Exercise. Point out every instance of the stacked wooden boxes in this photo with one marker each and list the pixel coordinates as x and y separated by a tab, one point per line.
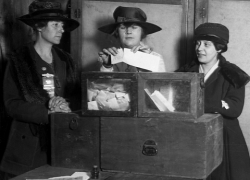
162	132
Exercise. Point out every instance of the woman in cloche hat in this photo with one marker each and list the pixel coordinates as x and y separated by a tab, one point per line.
224	94
130	28
37	82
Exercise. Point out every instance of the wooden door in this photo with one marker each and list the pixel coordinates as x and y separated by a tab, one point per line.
235	15
175	17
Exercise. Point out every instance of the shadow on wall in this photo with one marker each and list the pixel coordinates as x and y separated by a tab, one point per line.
99	41
187	54
12	34
5	120
15	32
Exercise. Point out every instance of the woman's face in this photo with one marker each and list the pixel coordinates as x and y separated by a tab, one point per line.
206	52
130	35
52	33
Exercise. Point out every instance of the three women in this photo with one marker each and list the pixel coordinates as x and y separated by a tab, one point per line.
29	101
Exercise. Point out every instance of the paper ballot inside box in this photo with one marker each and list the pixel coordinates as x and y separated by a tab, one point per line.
138	59
160	101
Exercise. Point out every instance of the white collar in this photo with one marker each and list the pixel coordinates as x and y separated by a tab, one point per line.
211	70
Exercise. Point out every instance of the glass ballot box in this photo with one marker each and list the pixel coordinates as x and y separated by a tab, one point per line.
179	95
109	94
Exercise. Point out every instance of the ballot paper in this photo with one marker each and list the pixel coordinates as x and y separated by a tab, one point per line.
67	178
108	97
138	59
62	178
75	176
160	101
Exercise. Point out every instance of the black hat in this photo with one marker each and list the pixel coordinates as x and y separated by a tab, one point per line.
212	32
130	15
47	10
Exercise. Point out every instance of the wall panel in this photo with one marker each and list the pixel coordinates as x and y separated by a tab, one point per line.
235	15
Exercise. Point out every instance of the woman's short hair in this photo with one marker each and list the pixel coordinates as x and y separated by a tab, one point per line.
222	47
218	46
143	35
40	24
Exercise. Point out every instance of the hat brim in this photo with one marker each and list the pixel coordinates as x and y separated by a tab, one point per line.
210	38
69	24
148	27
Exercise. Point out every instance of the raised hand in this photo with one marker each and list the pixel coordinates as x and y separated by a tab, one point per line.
141	47
104	56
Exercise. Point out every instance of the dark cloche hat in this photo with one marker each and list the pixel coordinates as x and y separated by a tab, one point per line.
130	15
212	32
48	10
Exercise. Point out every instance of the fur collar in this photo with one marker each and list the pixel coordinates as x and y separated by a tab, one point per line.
26	76
236	76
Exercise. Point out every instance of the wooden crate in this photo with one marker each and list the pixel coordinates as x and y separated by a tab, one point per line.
74	141
179	95
112	84
161	146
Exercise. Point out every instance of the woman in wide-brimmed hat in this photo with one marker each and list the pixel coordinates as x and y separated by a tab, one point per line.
37	82
130	28
224	94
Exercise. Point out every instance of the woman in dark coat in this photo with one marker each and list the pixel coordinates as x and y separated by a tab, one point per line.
39	80
224	94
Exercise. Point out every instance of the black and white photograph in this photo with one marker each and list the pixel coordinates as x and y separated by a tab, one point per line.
125	89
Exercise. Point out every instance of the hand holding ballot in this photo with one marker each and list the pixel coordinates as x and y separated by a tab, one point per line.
138	59
104	56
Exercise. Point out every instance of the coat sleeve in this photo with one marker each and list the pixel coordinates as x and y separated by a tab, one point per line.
104	69
235	100
234	97
17	107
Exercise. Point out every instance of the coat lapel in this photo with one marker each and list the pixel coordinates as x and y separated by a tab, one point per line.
60	74
213	77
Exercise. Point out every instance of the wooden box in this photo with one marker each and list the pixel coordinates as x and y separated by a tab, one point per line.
171	95
163	147
109	94
74	141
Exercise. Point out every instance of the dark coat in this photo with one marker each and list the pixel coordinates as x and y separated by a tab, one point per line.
27	103
227	83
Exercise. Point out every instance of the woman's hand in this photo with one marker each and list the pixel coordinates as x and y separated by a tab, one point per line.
141	47
104	56
58	104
